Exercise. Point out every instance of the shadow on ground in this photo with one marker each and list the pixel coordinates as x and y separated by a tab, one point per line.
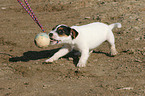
34	55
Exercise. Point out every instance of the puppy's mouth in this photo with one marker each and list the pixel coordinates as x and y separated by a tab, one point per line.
54	41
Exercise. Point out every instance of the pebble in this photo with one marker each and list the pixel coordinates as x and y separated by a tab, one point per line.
128	88
137	38
26	83
36	63
70	58
5	64
125	88
3	8
46	86
133	51
143	54
87	17
130	51
137	19
137	60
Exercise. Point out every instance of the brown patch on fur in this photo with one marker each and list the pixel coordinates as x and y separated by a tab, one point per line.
64	35
74	33
60	28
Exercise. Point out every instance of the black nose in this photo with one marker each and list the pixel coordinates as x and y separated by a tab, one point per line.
50	34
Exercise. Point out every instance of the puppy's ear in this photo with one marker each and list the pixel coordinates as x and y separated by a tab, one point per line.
73	33
54	27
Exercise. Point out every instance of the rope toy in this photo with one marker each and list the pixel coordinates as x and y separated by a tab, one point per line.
42	39
31	13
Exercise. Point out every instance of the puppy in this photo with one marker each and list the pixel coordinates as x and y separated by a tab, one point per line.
82	38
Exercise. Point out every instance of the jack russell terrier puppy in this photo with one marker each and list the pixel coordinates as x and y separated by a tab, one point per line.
82	38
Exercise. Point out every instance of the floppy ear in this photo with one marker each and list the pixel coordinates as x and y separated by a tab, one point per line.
73	33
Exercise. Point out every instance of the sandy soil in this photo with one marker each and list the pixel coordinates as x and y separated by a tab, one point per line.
22	72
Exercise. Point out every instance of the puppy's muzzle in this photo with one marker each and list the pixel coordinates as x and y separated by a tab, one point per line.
53	41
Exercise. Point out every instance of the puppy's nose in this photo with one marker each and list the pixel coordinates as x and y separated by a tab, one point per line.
50	34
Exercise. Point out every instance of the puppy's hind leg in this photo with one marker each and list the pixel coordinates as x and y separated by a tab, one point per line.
111	40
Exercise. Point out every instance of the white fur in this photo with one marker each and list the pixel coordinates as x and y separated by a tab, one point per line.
89	37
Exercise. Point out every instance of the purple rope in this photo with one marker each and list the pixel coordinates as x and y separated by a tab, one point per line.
30	10
31	13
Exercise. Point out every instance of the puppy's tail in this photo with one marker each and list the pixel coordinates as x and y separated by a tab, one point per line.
115	25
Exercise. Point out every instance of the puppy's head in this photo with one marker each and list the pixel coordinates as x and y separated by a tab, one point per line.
62	34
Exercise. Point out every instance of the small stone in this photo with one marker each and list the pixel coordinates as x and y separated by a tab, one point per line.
26	83
5	64
87	17
45	86
128	88
137	19
137	60
3	8
129	51
70	58
125	88
137	38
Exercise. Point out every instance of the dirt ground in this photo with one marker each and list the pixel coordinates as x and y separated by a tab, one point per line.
22	72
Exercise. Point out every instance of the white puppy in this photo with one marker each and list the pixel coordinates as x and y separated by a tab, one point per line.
82	38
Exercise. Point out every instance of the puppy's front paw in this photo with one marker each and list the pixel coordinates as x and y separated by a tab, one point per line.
81	65
49	60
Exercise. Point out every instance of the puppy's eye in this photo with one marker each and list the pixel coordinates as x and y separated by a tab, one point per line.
60	32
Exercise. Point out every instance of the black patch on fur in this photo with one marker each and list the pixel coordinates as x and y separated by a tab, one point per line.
63	30
66	31
74	33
